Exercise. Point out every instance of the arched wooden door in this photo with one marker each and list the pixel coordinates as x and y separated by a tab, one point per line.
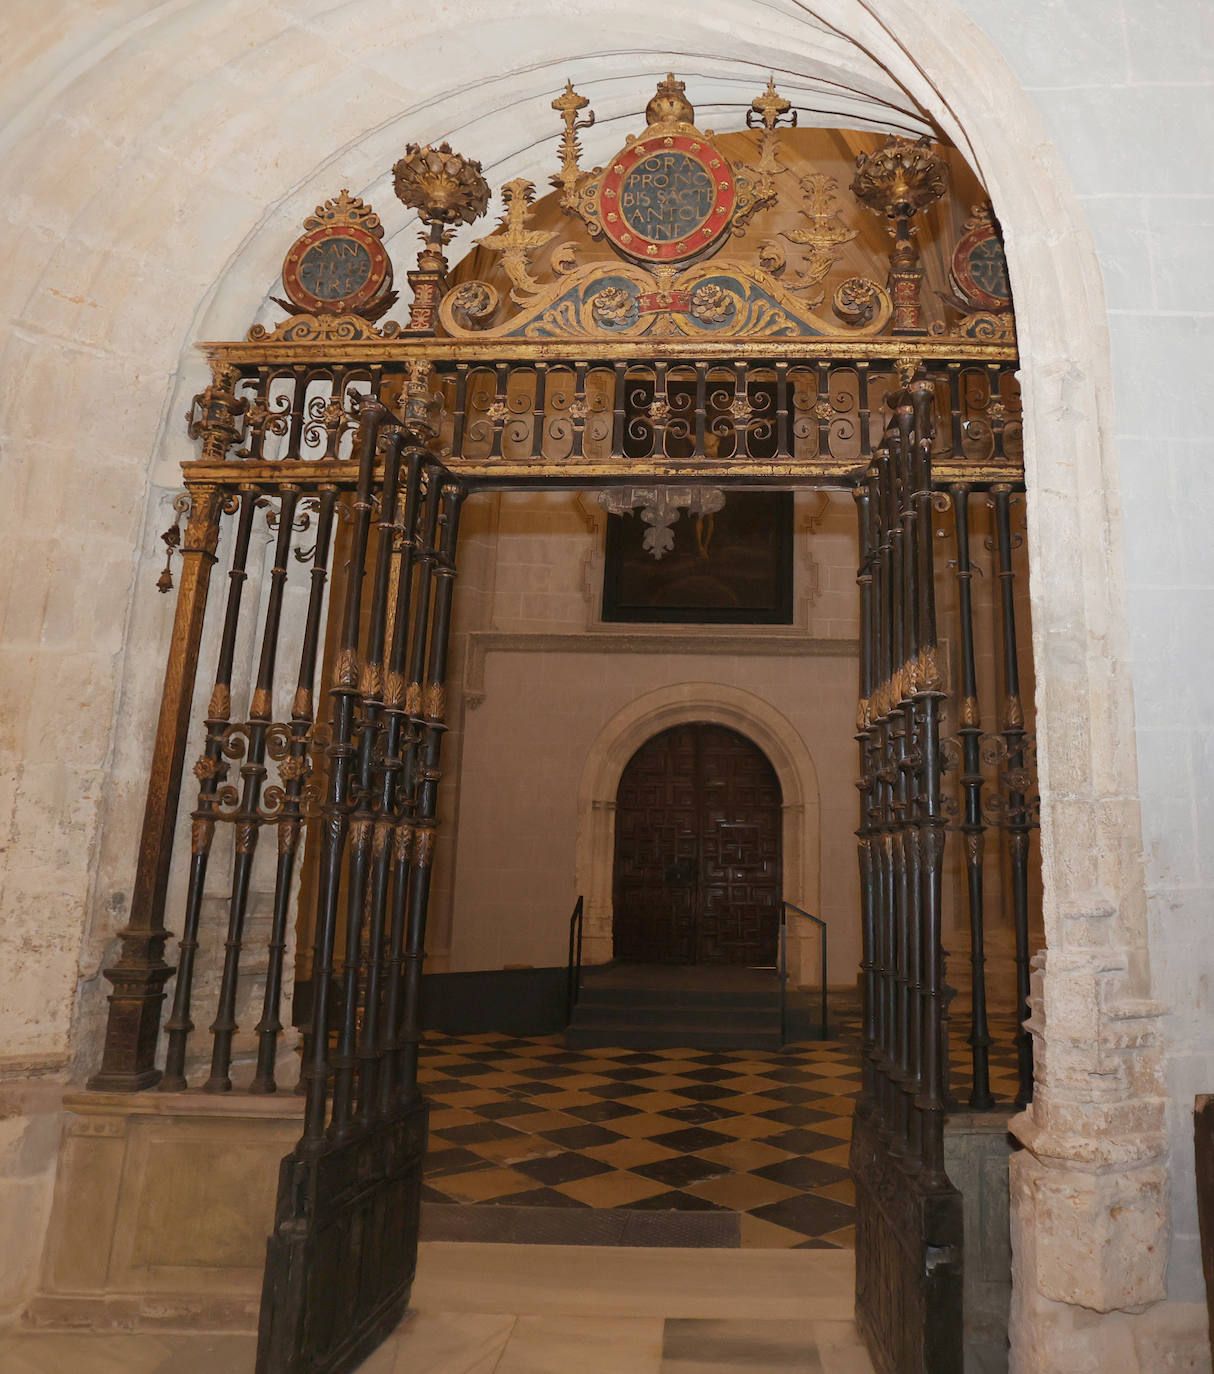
697	850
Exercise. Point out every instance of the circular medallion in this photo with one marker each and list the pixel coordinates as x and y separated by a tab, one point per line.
667	197
335	269
980	269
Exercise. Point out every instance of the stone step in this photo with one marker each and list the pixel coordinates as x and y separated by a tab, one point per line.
720	1037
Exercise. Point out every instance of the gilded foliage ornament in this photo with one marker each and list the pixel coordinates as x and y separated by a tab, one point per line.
441	185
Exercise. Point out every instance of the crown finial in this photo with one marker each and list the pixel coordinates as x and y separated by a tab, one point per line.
670	104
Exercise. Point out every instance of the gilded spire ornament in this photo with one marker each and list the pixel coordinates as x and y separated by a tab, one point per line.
769	111
569	104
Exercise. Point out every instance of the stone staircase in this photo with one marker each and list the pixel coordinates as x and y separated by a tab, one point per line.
668	1006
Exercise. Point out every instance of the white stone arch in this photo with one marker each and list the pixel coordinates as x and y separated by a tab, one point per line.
156	170
750	715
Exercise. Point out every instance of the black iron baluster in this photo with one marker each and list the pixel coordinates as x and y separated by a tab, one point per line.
248	818
378	781
659	410
294	774
740	409
783	416
408	837
537	410
398	729
888	873
211	770
863	411
973	829
931	816
298	412
500	407
865	784
822	409
340	752
433	728
580	410
362	818
1017	818
619	408
460	413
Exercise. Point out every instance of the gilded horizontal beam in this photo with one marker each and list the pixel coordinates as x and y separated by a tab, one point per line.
383	352
582	475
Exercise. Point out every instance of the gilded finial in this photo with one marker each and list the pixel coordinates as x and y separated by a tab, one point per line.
443	187
569	105
903	177
769	108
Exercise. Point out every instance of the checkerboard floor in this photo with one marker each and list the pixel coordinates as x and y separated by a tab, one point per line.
527	1123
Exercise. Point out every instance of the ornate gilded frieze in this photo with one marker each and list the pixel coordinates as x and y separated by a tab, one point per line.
697	308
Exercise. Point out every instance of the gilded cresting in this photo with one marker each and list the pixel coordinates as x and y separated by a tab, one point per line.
698	306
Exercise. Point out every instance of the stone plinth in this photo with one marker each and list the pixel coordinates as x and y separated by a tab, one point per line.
162	1207
976	1151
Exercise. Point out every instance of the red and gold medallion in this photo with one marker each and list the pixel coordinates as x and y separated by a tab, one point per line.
337	268
667	197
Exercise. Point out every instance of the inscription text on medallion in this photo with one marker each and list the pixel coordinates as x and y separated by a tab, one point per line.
666	196
334	269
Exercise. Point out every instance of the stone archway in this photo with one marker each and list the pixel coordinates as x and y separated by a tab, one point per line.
639	721
195	267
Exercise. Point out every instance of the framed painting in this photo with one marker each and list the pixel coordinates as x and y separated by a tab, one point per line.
730	568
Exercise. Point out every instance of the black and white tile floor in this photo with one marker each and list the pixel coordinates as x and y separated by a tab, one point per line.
663	1147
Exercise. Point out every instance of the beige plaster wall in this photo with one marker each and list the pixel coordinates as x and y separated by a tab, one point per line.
543	696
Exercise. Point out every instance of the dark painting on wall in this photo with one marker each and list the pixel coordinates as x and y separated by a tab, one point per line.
731	568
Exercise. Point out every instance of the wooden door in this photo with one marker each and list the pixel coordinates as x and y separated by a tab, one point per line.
697	851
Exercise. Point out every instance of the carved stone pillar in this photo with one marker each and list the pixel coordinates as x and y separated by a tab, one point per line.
1089	1190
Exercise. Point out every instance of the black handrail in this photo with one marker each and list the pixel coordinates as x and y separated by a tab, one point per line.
786	907
573	979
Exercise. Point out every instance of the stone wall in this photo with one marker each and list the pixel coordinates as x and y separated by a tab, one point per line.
1122	97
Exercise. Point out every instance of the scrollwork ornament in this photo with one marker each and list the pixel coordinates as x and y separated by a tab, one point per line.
856	300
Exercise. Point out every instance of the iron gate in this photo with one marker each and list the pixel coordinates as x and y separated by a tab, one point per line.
909	1218
341	1259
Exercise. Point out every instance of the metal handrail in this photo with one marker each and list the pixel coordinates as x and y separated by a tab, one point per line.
786	907
573	979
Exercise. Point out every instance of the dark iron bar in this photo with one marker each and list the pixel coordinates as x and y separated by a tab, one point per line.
378	781
363	827
392	796
973	828
293	770
929	693
340	752
211	771
248	818
865	786
433	725
908	1213
1017	822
